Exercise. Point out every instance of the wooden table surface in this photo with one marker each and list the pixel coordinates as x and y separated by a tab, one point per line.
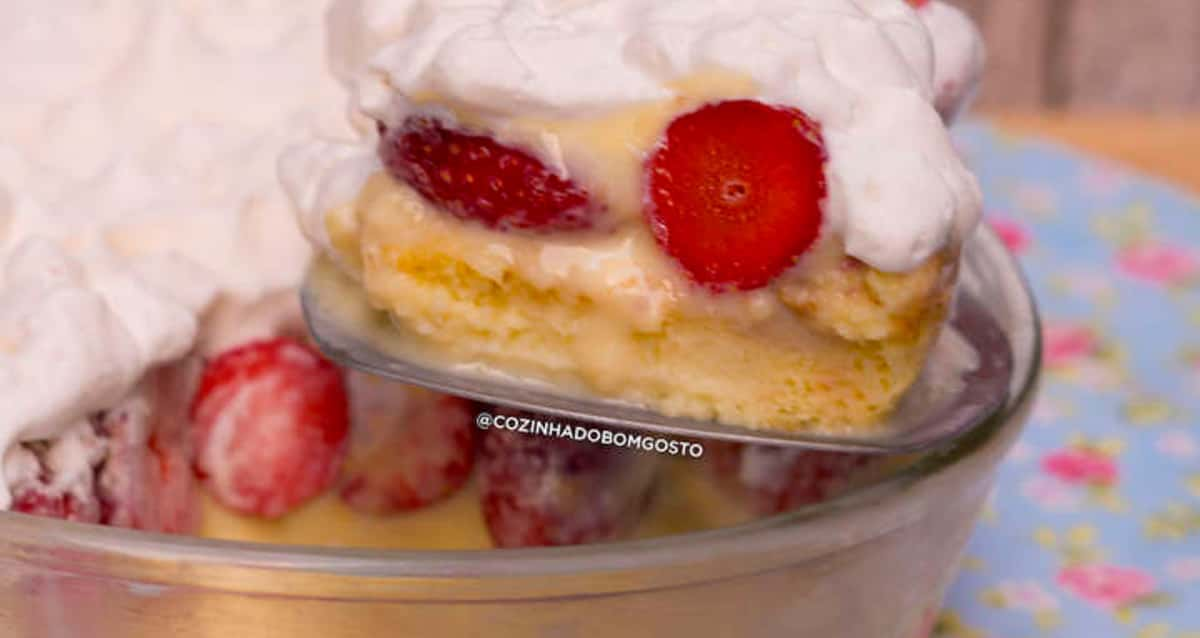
1075	54
1166	146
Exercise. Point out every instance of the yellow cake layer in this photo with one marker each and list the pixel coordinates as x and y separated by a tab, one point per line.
835	345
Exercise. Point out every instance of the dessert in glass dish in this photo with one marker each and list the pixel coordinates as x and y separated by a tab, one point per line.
869	558
159	376
750	213
155	363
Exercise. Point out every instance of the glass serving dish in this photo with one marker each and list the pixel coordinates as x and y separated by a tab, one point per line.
872	563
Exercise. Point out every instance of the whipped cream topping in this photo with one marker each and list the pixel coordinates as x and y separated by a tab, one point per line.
958	56
137	186
864	69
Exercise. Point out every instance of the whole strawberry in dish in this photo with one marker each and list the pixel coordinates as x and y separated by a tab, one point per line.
539	491
411	447
779	479
269	421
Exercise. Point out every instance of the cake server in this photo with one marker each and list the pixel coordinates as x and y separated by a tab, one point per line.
942	404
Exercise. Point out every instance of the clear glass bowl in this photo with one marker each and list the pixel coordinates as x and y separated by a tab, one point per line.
873	563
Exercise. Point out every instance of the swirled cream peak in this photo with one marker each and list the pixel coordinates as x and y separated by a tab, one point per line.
138	143
863	69
567	57
959	56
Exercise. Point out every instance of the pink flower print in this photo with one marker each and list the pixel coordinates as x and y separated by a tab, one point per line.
1081	467
1103	180
1068	343
1159	263
1027	596
1185	570
1052	495
1106	586
1048	411
1013	234
1178	444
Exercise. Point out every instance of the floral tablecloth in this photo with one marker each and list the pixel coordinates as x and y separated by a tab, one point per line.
1094	528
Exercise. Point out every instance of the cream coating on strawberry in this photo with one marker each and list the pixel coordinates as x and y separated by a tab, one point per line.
128	466
540	491
269	421
779	479
146	481
58	479
410	447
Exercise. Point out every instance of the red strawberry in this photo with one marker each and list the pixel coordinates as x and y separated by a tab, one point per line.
735	192
147	482
57	478
411	447
270	421
50	504
475	177
177	510
780	479
918	4
539	491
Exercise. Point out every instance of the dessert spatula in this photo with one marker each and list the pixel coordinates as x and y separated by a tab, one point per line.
947	400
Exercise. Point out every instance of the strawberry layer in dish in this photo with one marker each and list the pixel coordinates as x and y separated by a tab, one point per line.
750	212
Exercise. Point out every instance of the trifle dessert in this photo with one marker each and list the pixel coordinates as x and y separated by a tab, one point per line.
158	370
746	212
159	375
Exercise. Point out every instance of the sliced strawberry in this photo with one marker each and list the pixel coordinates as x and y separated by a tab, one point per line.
538	491
411	447
780	479
474	177
735	192
269	421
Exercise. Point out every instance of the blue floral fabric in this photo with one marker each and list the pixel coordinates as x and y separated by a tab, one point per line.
1094	528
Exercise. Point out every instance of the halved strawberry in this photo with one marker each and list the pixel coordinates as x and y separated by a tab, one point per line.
734	192
411	447
538	491
779	479
474	177
269	421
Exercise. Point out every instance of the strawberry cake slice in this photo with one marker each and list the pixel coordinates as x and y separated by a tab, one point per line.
749	212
